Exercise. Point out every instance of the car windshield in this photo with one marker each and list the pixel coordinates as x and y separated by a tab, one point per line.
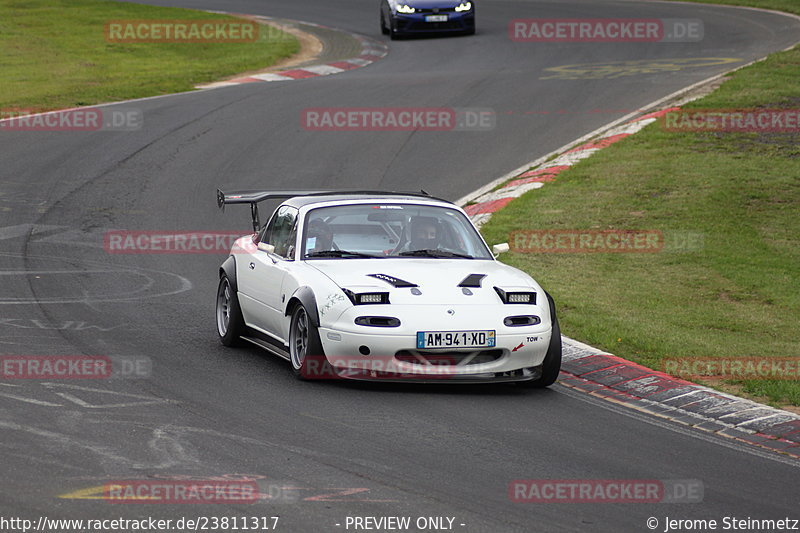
383	230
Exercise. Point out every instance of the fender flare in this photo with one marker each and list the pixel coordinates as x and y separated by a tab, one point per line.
552	304
229	269
306	297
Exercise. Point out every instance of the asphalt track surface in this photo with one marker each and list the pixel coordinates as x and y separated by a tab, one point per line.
328	450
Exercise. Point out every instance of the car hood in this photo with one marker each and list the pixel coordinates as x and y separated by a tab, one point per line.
436	279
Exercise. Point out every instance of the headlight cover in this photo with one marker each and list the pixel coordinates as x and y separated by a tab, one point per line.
463	6
516	297
405	8
367	298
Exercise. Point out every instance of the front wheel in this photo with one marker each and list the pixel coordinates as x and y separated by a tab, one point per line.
393	33
230	323
552	361
384	29
305	348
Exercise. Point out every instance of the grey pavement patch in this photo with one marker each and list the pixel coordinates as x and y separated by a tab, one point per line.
711	426
767	422
753	413
675	392
786	430
780	445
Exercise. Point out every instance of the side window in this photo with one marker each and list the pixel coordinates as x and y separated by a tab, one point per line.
282	231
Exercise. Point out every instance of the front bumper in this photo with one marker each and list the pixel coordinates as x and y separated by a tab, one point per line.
372	353
416	23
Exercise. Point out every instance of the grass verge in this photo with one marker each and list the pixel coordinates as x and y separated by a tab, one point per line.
55	54
734	292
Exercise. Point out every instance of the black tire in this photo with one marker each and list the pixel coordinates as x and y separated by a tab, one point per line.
552	361
384	29
393	34
305	348
230	323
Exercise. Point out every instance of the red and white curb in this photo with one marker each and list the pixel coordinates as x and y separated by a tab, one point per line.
371	51
610	377
600	374
487	203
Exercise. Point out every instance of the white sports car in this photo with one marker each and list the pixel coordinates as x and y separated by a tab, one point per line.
383	286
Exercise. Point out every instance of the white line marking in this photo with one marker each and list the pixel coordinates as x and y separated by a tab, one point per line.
87	405
509	192
65	439
323	70
50	272
271	77
30	400
358	61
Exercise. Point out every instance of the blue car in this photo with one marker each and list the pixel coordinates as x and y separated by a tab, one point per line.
407	17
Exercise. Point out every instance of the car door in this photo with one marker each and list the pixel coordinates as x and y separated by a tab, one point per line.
262	277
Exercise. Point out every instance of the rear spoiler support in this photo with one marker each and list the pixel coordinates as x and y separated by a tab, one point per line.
254	217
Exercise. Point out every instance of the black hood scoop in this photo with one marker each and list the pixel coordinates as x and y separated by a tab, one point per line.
393	281
473	280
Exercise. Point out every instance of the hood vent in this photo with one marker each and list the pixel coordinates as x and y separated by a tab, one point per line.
393	281
473	280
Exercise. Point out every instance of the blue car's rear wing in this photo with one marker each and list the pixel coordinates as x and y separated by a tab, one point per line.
254	197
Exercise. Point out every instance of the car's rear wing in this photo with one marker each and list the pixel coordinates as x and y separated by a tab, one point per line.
254	197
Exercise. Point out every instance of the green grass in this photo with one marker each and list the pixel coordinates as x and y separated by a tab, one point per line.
54	54
738	295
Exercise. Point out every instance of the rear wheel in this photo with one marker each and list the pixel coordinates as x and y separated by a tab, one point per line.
230	323
305	348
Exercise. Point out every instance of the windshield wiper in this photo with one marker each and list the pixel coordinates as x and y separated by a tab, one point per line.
340	253
434	253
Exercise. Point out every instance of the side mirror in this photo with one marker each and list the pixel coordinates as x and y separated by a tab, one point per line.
264	247
498	249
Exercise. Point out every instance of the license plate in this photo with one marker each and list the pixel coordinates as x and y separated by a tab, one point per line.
456	339
436	18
